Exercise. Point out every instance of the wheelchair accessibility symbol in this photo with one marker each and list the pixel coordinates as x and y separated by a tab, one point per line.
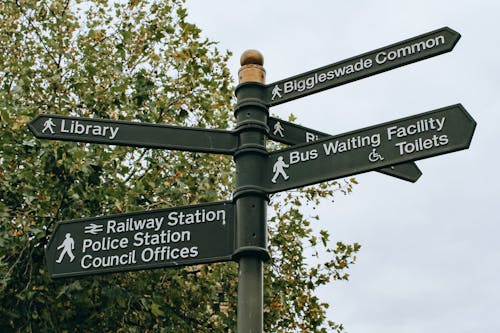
374	156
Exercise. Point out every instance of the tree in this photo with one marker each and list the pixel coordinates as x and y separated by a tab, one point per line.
135	60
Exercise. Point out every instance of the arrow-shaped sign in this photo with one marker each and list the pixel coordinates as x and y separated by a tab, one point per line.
413	138
374	62
56	127
292	134
173	237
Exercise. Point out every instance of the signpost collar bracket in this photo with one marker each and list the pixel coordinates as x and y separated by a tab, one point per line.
245	190
260	252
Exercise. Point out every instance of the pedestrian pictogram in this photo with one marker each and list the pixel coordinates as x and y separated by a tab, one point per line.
48	125
278	129
134	134
364	65
276	92
297	134
413	138
237	230
170	237
67	246
279	169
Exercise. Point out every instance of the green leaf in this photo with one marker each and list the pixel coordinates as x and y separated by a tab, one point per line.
156	311
138	60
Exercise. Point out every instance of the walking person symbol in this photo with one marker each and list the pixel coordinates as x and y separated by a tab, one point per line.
278	129
68	245
47	125
276	92
279	169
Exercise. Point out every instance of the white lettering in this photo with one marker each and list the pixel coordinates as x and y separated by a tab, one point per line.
89	261
321	77
77	127
104	244
294	157
421	144
351	143
440	124
164	237
303	156
402	52
288	87
168	253
131	224
390	132
113	131
419	126
199	216
310	137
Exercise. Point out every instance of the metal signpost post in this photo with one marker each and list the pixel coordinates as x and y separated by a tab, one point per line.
237	229
251	200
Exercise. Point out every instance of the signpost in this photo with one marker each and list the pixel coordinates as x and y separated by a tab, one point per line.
409	139
374	62
290	133
114	132
173	237
237	230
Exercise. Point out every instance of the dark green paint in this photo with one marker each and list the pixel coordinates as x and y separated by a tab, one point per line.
214	241
251	205
243	235
295	134
458	127
135	134
318	80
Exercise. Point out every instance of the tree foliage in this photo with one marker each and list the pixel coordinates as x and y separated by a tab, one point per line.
140	61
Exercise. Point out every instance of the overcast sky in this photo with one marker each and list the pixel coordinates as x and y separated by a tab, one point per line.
430	252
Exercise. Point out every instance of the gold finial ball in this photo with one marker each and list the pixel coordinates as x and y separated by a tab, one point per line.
252	57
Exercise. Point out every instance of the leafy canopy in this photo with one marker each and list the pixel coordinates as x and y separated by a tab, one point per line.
141	61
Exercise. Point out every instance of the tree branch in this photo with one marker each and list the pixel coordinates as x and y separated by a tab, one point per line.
37	33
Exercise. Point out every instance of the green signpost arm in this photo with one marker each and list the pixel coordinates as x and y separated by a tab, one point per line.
168	237
292	134
364	65
177	236
133	134
412	138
